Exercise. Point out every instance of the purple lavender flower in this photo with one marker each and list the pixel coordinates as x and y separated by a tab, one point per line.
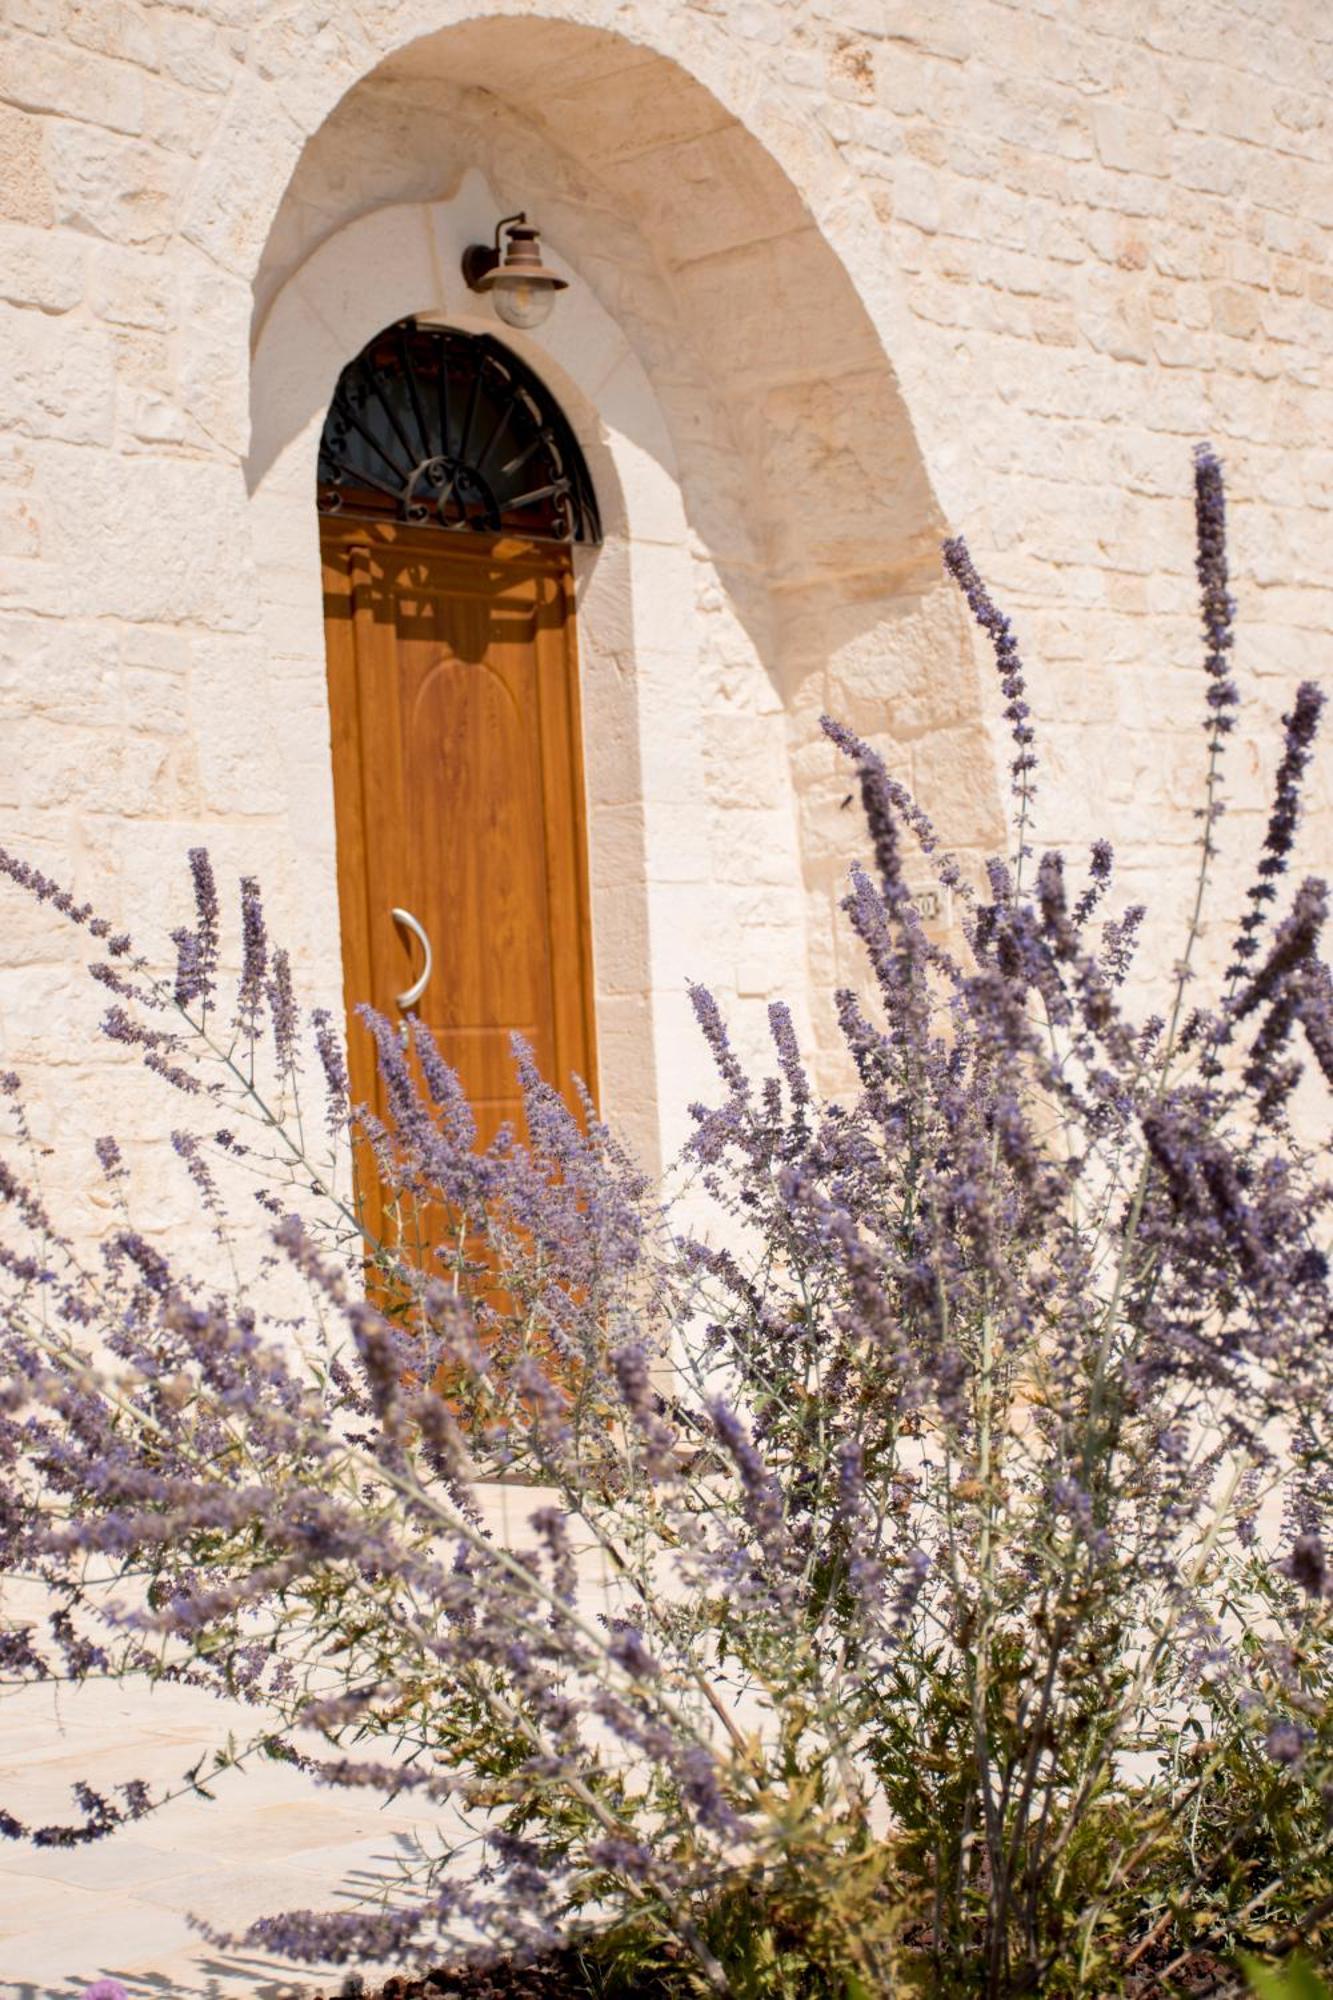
1008	665
334	1065
1294	948
1301	726
632	1858
627	1649
190	981
1307	1565
1315	1010
1216	603
709	1016
43	888
885	801
1100	866
186	1146
284	1015
762	1495
207	919
1286	1741
630	1366
254	958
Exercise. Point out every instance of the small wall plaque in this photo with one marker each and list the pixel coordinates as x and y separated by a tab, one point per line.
933	903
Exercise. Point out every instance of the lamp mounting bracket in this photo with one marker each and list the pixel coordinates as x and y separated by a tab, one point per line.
480	259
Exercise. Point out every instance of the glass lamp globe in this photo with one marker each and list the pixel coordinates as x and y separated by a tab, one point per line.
513	272
521	302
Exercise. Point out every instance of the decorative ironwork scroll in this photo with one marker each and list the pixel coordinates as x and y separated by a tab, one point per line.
451	430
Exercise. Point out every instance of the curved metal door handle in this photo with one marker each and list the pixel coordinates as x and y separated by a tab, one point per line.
418	986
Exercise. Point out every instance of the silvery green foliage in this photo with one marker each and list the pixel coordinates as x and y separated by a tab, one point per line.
922	1581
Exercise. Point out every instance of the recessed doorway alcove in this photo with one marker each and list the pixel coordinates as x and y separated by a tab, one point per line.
770	538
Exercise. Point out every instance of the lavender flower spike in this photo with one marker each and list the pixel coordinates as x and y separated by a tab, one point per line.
1301	726
254	960
1216	603
208	915
1008	664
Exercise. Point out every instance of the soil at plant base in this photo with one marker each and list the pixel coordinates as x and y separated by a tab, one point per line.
561	1976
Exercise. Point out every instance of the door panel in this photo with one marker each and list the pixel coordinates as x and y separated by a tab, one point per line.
453	690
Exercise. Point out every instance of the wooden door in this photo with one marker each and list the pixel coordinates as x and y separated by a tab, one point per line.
453	690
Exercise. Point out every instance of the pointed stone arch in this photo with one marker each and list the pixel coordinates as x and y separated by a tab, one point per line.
738	382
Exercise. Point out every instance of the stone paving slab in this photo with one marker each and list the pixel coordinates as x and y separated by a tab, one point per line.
269	1840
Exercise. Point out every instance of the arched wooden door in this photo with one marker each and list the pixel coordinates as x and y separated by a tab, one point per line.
449	496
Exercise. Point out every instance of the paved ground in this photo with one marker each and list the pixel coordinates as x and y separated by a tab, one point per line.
270	1841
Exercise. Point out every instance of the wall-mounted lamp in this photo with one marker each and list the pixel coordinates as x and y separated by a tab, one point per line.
523	289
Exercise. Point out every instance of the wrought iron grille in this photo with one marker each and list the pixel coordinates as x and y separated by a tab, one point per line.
451	430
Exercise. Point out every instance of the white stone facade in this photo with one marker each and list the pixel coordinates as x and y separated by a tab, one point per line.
846	276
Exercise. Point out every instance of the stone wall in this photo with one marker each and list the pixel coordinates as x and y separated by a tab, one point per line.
887	269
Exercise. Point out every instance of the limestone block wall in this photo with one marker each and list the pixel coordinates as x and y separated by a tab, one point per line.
886	270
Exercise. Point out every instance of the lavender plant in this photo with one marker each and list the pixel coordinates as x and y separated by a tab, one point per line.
922	1580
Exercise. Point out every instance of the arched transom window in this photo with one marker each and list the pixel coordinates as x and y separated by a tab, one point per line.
451	430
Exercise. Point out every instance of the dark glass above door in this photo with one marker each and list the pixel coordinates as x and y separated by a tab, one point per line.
451	430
